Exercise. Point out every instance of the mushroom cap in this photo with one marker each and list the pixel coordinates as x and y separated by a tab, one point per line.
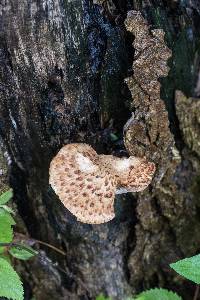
132	174
84	188
136	176
86	182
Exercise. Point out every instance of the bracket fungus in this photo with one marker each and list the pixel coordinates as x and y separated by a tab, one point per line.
86	182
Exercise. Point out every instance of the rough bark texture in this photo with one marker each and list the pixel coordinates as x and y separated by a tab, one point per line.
63	66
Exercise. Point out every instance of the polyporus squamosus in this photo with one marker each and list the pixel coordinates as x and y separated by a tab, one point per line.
86	182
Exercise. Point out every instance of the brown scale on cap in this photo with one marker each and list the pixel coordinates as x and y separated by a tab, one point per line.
86	182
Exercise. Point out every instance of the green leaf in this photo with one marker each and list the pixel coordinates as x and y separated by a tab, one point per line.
188	268
23	252
6	222
6	257
8	209
5	197
101	297
10	283
2	250
160	294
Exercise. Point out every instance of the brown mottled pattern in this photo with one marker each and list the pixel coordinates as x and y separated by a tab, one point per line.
138	178
89	195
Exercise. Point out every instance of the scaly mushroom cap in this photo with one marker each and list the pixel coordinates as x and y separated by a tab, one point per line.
132	174
85	189
86	182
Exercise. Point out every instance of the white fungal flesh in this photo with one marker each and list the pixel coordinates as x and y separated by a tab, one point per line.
84	163
122	165
125	163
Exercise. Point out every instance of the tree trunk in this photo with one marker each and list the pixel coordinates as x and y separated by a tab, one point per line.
63	66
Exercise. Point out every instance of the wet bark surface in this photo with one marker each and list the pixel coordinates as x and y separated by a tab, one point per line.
63	66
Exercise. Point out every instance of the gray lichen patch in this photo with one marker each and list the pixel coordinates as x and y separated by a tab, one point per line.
188	112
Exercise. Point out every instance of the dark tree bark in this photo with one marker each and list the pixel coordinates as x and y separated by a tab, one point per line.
63	66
